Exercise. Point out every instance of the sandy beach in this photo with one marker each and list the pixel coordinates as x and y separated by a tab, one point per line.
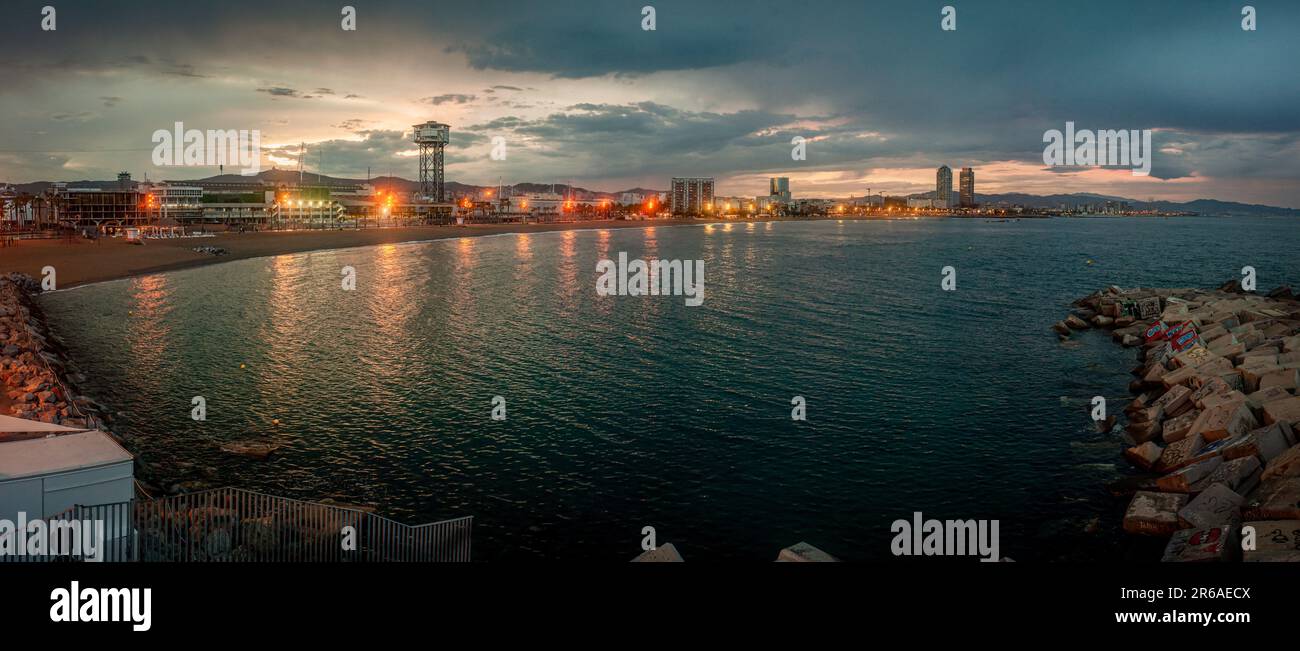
80	261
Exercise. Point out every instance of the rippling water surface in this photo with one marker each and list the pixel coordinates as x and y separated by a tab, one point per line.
625	412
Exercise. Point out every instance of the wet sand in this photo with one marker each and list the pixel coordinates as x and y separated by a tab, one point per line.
79	261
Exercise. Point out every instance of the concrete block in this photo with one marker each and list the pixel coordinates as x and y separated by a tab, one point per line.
1181	375
1218	342
1142	431
1154	514
1208	545
802	552
1282	411
1229	320
1267	352
1233	379
1181	481
1241	475
1258	399
1266	442
1212	332
1275	499
1277	329
1147	307
1210	385
1175	400
1252	338
1174	313
1216	506
1223	398
1175	429
1275	541
1224	421
1286	464
1147	414
1285	379
1180	453
1251	374
665	553
1230	351
1193	357
1144	455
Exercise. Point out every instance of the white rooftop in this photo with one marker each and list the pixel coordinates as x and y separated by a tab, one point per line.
53	454
11	424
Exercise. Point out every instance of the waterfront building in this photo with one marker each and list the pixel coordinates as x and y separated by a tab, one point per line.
184	203
967	187
690	195
779	188
943	186
536	203
99	208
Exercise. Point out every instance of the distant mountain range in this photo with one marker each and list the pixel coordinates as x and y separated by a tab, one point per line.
1202	206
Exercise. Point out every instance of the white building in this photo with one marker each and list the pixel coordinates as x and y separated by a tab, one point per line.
536	203
180	202
46	469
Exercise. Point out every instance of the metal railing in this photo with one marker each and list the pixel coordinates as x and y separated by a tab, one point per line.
237	525
65	538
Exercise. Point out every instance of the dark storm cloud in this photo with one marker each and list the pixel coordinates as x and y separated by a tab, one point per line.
377	149
643	137
868	83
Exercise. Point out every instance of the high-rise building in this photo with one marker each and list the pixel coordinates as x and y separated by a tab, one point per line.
779	188
967	187
943	186
689	196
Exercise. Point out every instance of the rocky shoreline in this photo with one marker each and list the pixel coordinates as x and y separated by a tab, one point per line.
1212	433
39	380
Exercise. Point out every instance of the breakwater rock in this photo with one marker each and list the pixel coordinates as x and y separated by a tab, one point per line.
1212	431
35	373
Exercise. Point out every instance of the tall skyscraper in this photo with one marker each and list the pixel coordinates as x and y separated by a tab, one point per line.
689	196
943	186
779	188
967	187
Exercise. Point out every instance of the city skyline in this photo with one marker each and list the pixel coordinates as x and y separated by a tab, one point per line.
613	107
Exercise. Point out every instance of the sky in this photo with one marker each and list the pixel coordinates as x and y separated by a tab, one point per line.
581	93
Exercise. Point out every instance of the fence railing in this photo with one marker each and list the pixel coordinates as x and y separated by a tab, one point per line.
232	524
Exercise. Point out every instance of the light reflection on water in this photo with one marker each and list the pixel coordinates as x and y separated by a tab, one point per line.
625	412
